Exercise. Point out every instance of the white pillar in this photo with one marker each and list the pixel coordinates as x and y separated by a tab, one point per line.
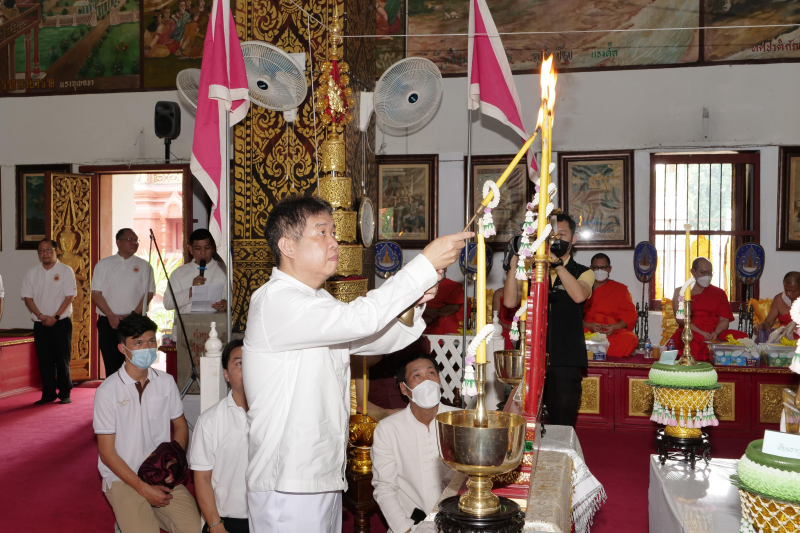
212	388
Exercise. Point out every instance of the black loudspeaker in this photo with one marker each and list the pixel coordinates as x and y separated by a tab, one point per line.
168	120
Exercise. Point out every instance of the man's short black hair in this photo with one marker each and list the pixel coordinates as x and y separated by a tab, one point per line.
53	243
401	369
133	326
202	234
121	232
288	219
229	348
601	256
697	260
792	278
563	217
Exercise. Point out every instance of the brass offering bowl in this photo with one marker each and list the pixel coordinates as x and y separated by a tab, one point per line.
480	453
509	366
362	428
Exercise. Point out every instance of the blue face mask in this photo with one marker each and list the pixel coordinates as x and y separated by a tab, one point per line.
143	358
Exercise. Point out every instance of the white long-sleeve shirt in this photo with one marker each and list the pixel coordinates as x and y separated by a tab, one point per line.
407	472
181	280
296	367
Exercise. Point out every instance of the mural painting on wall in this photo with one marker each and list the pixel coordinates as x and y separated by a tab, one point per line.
65	46
391	18
174	33
635	35
777	42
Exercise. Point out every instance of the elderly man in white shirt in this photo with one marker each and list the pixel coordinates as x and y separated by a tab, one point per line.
119	285
204	252
407	473
296	364
218	454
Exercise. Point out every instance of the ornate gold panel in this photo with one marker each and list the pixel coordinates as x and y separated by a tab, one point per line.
337	191
590	397
347	291
71	228
771	397
267	149
333	157
345	222
725	402
515	477
640	397
349	260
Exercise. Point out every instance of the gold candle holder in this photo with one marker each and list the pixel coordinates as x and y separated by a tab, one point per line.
362	429
687	359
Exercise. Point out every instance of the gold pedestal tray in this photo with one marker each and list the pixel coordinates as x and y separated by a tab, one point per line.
687	400
347	290
509	366
362	428
769	515
480	453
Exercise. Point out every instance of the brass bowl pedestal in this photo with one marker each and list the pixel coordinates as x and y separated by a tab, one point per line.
480	453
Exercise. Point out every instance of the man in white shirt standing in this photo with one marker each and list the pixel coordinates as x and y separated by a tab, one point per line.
48	290
218	455
407	473
118	288
203	250
296	354
134	410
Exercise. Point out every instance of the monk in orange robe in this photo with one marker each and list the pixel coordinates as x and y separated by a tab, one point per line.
610	310
782	303
711	312
444	312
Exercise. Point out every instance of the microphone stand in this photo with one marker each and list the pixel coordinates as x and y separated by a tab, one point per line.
194	377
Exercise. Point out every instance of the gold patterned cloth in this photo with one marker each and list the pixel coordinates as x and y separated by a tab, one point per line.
668	323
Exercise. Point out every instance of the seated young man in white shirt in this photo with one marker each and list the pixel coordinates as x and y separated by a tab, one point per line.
133	411
218	455
407	473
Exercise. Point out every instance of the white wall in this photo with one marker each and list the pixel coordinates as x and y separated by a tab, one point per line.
751	107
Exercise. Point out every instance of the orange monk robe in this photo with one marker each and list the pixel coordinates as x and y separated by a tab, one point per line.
707	308
610	303
450	293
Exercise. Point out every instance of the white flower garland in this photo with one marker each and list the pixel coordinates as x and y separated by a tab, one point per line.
487	223
468	387
514	333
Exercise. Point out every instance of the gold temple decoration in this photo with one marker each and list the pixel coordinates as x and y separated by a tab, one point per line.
71	228
334	101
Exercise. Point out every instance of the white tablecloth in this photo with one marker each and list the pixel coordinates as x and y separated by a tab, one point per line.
685	501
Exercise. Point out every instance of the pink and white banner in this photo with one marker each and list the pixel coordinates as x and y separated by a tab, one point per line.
223	94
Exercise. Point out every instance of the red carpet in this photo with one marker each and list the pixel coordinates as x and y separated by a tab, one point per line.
48	468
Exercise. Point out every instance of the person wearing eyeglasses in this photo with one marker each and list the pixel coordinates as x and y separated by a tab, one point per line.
710	313
48	290
610	310
118	287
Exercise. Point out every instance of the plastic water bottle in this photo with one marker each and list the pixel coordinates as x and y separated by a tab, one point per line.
670	345
648	349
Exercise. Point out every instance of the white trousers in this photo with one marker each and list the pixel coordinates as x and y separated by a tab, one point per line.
290	512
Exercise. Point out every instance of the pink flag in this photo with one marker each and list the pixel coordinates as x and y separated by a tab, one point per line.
491	85
223	90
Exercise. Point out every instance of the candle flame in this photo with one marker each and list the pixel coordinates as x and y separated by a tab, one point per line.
540	119
548	82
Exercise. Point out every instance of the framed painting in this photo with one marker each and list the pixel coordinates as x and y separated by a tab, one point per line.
510	212
407	199
32	216
789	198
596	188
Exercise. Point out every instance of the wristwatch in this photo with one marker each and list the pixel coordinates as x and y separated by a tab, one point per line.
558	263
57	317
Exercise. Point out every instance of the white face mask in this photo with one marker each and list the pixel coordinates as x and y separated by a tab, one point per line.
427	394
704	281
786	299
601	275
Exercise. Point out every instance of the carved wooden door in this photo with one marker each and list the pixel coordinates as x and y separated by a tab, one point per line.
73	211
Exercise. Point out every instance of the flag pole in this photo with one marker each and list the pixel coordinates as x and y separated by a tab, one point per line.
467	211
229	241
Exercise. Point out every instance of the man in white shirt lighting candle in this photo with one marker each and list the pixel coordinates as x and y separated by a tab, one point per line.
296	363
407	473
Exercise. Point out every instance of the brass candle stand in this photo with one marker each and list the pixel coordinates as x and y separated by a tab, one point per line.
362	428
687	359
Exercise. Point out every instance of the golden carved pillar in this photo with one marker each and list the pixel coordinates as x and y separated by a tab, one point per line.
71	227
264	142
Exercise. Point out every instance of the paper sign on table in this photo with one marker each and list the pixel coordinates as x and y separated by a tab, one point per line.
781	444
668	357
204	296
